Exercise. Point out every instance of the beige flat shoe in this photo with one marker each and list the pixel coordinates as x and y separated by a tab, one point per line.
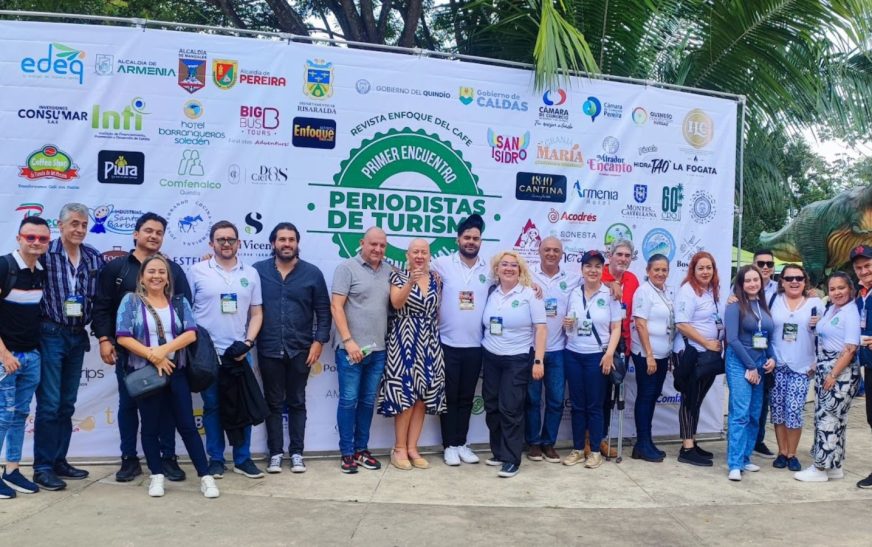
403	464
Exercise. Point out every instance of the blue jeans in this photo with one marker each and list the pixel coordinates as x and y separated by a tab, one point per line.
746	402
215	433
587	391
554	383
358	386
128	418
648	388
16	392
63	352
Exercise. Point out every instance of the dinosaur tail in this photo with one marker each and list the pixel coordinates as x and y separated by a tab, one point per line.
781	243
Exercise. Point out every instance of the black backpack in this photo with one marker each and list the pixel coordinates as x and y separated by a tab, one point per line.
201	366
11	276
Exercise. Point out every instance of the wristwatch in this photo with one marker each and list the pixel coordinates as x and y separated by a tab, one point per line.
537	361
249	342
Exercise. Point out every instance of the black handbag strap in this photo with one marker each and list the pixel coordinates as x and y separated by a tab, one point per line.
161	333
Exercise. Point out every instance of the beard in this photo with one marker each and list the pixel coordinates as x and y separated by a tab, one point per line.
467	254
288	258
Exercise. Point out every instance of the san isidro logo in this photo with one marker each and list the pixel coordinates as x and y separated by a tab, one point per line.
60	62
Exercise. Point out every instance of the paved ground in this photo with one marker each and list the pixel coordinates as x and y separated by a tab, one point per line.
631	503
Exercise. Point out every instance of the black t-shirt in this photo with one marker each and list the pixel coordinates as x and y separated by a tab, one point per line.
19	310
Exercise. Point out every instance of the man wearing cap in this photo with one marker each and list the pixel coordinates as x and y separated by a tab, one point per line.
861	259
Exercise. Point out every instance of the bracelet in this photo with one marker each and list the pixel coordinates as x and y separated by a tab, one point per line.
347	340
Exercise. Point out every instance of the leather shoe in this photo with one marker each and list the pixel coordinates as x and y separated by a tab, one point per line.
130	469
48	480
66	471
604	450
647	453
171	469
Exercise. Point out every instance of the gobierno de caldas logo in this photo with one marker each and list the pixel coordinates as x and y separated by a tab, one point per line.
371	190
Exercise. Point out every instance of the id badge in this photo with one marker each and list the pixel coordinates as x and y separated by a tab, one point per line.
466	300
229	303
585	327
759	341
496	326
550	307
863	319
790	332
74	305
719	323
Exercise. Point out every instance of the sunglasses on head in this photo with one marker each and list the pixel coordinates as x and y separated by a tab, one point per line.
792	278
30	238
765	264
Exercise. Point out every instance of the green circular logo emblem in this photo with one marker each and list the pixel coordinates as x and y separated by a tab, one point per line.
244	282
372	188
563	285
616	232
477	405
601	302
482	278
515	303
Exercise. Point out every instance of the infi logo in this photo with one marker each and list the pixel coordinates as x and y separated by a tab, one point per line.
370	189
61	63
127	120
49	162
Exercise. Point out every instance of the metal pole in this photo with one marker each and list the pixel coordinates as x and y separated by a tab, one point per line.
740	208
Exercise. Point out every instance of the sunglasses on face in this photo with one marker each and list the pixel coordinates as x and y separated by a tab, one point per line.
765	264
793	278
33	239
226	241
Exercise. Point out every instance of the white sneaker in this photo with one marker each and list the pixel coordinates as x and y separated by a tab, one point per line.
812	474
467	455
752	467
735	475
493	462
297	464
835	473
208	486
452	455
156	486
275	464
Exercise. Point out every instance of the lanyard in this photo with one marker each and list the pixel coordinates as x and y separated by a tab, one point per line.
72	276
584	301
227	280
787	305
758	316
668	303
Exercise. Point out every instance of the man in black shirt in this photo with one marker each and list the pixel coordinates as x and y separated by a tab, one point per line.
22	279
115	280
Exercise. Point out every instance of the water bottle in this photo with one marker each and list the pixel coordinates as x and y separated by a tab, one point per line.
367	349
570	330
814	314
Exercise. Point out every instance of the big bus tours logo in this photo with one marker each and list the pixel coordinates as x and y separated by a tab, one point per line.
370	190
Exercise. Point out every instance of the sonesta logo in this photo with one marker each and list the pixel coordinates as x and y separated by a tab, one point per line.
61	62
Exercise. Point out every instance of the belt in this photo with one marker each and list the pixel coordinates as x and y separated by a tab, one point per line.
68	328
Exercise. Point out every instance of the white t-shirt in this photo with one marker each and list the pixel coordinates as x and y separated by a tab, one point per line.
702	312
604	310
464	291
770	289
516	312
839	327
214	289
555	292
655	306
794	346
166	321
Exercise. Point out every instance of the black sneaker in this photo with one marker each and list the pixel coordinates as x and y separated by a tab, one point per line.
348	465
865	483
130	469
780	462
763	451
691	456
216	469
365	460
704	453
6	492
171	469
66	471
509	470
19	483
48	480
248	469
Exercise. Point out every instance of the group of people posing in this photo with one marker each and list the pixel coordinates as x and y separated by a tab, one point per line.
414	342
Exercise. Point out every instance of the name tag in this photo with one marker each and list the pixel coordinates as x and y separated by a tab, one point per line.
466	300
229	303
74	306
759	341
496	326
790	332
863	318
551	307
585	328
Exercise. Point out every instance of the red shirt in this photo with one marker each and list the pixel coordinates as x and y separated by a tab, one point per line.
629	283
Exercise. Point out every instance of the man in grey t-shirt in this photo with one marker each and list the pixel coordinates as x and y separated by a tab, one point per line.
359	302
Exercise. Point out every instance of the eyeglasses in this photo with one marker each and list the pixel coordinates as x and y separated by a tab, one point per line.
509	265
792	278
226	241
30	238
765	264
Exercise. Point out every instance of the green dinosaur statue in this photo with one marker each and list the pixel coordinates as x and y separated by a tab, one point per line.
824	232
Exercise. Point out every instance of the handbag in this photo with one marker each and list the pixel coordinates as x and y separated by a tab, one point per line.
685	363
709	364
201	359
147	381
619	360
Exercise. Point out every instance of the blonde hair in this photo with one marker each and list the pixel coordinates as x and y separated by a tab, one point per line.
524	276
168	288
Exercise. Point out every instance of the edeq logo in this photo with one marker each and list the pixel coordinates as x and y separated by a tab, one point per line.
61	62
118	167
314	133
507	148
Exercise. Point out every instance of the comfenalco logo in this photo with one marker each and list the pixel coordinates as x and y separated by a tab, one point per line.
370	190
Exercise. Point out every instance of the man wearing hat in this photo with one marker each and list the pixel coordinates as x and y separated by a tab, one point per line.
861	259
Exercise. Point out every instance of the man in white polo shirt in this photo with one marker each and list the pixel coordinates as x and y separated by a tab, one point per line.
556	284
227	303
466	279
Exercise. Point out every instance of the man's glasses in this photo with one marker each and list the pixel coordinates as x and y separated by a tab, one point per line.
30	238
765	264
226	241
793	278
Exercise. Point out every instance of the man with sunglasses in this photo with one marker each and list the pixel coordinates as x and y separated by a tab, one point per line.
765	261
861	259
116	279
71	269
228	304
22	278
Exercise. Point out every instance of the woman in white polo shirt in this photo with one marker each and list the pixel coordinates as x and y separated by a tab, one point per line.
514	322
593	324
795	315
652	335
837	379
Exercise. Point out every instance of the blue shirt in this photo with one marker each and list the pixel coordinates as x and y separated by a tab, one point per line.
132	322
741	329
63	281
864	303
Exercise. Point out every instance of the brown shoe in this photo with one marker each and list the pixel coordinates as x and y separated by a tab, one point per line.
587	445
551	455
534	453
604	450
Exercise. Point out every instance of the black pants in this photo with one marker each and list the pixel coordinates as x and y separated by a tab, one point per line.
691	403
768	384
504	390
867	377
284	381
608	402
462	370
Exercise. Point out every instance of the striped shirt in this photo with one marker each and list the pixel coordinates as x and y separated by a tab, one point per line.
19	311
64	280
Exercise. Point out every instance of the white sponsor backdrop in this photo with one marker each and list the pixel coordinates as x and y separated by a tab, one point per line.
201	128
